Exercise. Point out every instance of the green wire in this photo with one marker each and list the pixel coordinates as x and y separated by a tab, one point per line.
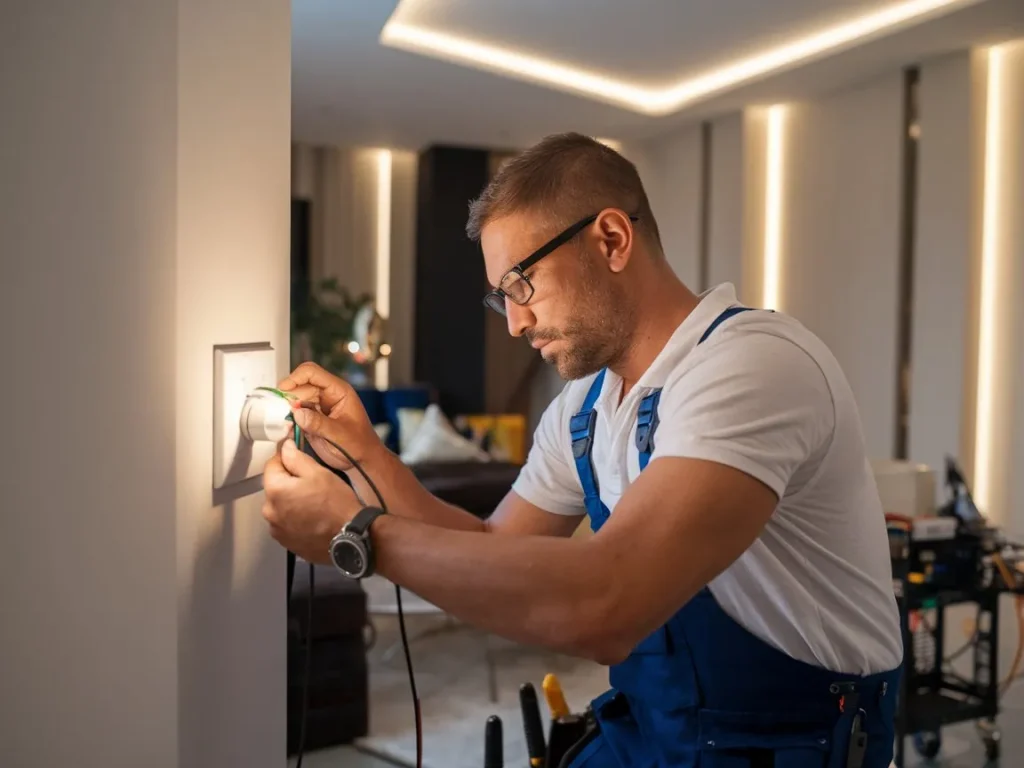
278	392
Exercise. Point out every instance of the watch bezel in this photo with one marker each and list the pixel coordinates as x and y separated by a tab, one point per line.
345	538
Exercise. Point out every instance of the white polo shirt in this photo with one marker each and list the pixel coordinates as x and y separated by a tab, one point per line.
764	395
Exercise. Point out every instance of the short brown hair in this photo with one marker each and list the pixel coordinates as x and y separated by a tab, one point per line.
567	176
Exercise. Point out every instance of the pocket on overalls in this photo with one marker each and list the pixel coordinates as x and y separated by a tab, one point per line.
753	739
655	674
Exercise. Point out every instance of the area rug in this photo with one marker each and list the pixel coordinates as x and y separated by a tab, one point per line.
452	680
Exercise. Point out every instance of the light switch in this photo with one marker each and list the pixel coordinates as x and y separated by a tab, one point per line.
238	369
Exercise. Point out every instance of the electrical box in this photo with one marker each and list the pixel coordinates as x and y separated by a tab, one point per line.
238	369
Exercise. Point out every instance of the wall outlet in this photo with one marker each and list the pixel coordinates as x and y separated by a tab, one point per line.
237	370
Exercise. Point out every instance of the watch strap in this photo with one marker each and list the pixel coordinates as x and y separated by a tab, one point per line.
360	524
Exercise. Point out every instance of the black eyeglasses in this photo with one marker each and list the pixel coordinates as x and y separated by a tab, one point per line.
515	285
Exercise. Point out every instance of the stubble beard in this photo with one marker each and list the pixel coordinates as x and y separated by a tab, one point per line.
600	334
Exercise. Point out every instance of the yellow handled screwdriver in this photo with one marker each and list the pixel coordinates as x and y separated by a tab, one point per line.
555	698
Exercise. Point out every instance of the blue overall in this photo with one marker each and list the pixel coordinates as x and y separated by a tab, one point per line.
702	691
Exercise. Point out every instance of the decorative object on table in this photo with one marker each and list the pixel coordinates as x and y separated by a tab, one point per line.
340	332
502	435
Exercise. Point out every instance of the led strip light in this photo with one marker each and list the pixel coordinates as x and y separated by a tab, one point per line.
419	39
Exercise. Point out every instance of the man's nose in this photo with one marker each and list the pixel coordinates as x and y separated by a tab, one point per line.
519	318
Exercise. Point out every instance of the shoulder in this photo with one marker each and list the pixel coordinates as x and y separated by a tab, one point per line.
768	351
756	398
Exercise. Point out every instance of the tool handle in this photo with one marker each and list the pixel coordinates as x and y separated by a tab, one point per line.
532	724
494	743
564	734
555	697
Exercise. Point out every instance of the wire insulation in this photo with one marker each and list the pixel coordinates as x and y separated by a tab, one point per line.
417	713
306	671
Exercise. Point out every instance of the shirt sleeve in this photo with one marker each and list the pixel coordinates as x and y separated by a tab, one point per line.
758	403
548	479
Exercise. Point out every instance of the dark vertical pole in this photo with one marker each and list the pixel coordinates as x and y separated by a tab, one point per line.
908	225
450	279
705	206
300	253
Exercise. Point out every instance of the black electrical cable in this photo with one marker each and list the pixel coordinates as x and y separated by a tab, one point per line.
417	713
305	674
401	614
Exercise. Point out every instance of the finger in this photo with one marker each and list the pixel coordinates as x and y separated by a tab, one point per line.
304	393
329	453
270	515
275	477
297	463
331	388
316	424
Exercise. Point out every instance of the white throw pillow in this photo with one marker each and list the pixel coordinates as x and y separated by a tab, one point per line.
436	440
409	420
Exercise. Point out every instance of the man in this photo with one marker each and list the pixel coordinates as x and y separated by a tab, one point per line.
738	582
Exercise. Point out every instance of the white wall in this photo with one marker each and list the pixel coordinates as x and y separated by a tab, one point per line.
726	201
943	247
344	217
233	285
89	311
670	169
148	220
840	238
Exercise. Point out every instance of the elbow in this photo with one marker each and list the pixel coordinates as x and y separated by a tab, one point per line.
598	635
607	651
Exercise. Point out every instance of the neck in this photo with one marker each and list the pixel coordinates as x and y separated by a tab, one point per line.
665	303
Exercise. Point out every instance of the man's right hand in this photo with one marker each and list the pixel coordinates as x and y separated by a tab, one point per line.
334	400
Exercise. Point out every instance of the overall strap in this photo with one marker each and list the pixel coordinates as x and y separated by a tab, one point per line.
582	428
646	424
647	413
721	319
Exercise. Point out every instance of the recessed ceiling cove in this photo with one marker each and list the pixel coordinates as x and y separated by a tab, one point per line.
653	57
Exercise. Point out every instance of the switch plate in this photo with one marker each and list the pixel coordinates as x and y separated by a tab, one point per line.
237	370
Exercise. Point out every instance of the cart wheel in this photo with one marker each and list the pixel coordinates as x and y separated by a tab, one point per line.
991	737
927	743
992	746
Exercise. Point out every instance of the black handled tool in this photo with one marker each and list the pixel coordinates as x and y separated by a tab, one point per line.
566	728
532	725
494	743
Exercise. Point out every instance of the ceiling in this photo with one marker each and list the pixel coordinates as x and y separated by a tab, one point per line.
349	87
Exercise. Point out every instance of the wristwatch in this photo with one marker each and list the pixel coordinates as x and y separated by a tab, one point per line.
352	550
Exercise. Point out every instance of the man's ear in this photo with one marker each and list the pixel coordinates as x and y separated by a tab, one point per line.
616	238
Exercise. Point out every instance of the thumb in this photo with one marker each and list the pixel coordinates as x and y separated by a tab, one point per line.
297	463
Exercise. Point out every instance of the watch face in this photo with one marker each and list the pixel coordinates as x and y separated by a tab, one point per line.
349	556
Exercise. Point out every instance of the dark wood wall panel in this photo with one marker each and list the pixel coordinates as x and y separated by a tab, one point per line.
450	279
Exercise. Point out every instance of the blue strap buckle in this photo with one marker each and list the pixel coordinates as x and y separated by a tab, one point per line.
647	422
581	427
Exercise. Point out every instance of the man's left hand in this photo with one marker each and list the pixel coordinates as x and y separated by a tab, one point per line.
306	504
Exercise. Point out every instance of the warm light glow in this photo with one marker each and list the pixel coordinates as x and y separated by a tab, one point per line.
383	253
773	212
992	251
655	101
385	349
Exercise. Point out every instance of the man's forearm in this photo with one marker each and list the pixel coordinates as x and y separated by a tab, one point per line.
537	590
404	495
